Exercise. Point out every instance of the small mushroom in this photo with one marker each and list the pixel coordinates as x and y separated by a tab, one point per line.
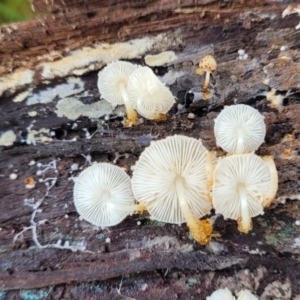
103	195
221	294
170	179
241	185
274	181
239	129
151	98
246	295
112	83
207	64
29	182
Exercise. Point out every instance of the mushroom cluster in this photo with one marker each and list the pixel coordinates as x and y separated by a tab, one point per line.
243	183
177	180
172	179
137	88
225	294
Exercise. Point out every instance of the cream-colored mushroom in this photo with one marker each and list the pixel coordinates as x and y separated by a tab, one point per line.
241	184
151	98
207	64
246	295
112	83
103	195
269	198
239	129
221	294
170	179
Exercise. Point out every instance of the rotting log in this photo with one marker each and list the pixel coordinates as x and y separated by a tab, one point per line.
150	260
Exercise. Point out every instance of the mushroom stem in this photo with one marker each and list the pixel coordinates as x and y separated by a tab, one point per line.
245	224
200	229
127	208
132	118
206	82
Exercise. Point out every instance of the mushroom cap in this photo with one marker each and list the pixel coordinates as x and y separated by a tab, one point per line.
147	94
111	78
246	295
221	294
98	186
157	170
239	129
246	171
208	64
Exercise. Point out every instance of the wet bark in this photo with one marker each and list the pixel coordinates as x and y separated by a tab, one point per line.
152	259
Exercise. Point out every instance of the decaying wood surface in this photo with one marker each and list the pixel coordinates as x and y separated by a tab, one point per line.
141	258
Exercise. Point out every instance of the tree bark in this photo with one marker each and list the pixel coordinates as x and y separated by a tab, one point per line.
50	106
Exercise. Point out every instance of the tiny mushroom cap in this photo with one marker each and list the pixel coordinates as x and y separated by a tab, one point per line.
112	83
207	64
103	195
241	183
246	295
170	179
239	129
221	294
148	95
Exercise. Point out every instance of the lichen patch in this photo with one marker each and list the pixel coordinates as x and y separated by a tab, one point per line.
72	108
104	53
71	87
7	138
170	77
160	59
15	80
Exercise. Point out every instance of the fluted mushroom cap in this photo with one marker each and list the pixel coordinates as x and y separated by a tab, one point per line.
98	186
246	295
234	174
221	294
113	79
239	129
160	166
147	94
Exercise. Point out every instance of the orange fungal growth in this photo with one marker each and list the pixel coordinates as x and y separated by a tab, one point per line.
200	229
29	182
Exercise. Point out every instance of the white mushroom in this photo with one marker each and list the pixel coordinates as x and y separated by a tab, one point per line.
221	294
246	295
112	83
103	195
170	179
151	98
241	184
274	181
239	129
